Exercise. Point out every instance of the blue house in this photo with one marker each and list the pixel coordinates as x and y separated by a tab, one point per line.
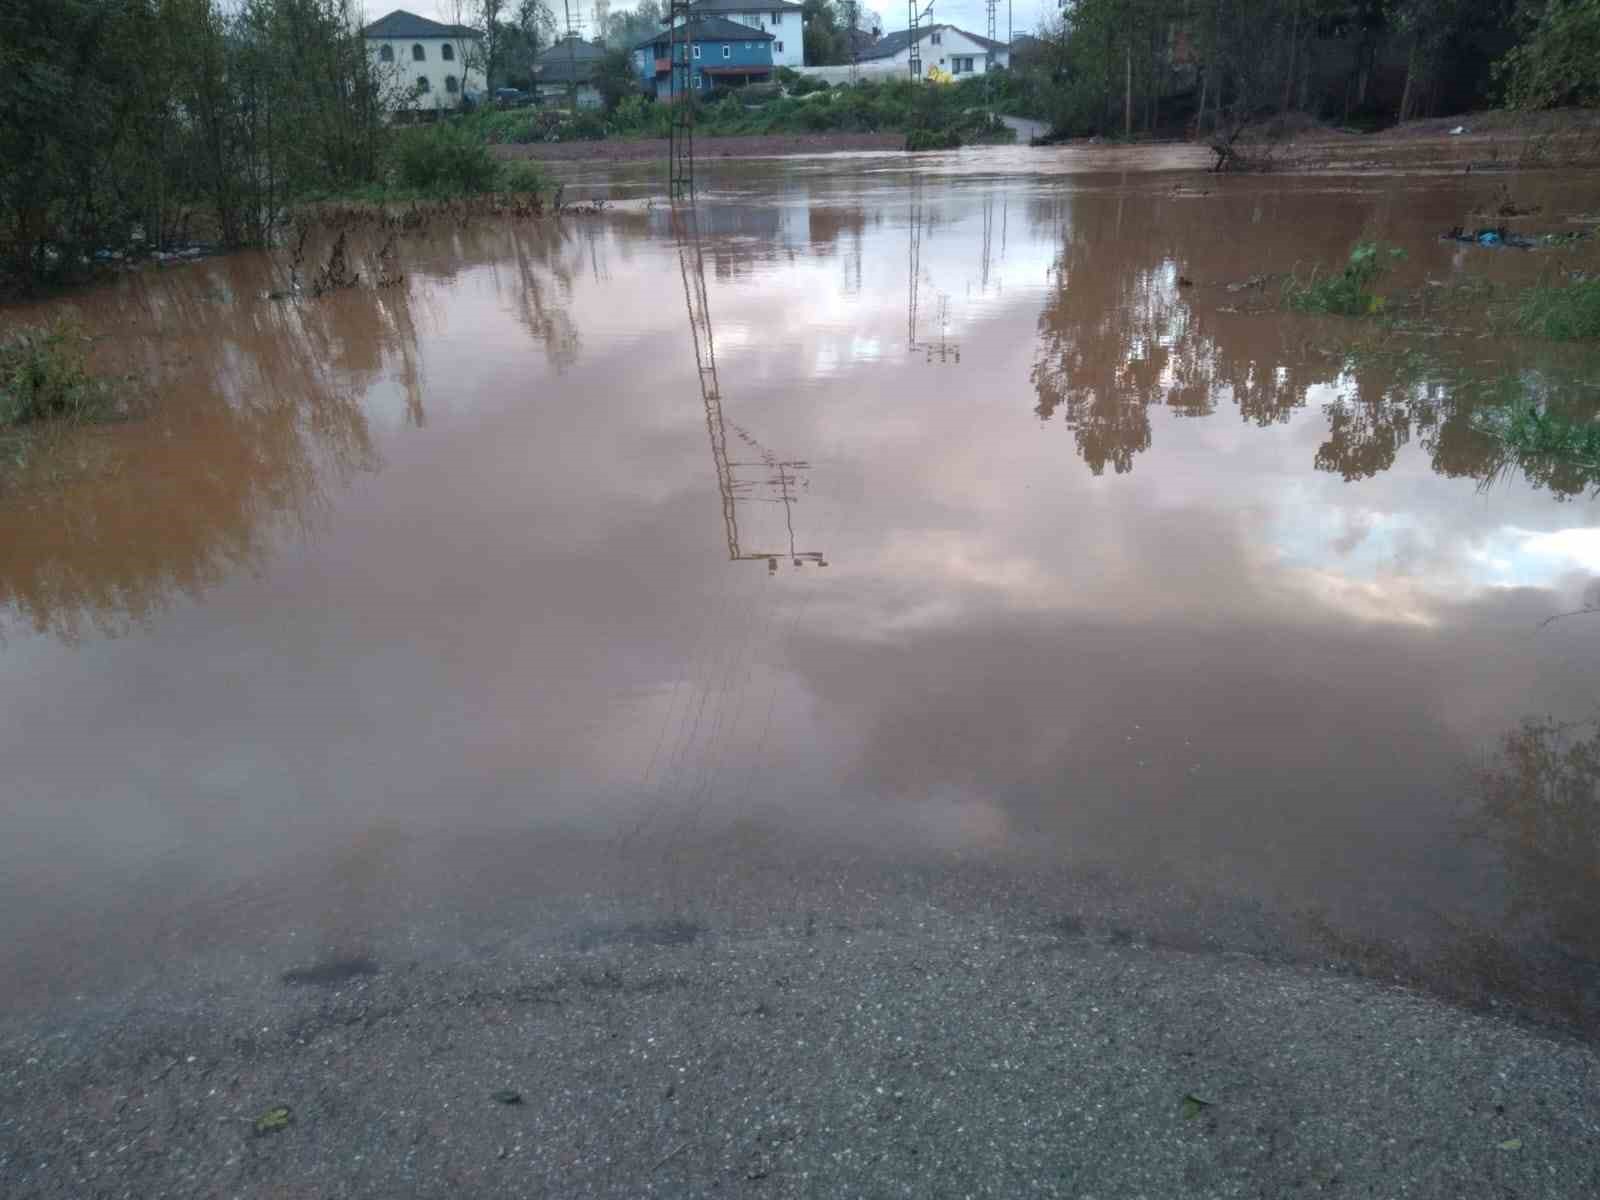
720	53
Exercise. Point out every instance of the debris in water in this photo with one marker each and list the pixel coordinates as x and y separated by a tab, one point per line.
276	1118
507	1096
1511	1144
1193	1106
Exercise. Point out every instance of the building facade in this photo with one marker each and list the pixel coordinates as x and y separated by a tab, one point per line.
566	70
424	64
783	20
943	47
720	52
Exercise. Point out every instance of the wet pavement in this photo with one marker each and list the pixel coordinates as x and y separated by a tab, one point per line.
977	509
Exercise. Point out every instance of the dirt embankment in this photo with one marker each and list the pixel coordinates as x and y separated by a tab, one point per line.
755	146
1486	141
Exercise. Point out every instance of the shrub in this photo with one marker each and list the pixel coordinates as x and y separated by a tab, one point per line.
585	127
804	85
446	157
523	175
933	139
1349	293
44	376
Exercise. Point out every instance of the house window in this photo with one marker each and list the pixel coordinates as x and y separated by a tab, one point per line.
386	52
777	19
448	52
451	85
697	51
936	38
778	46
422	83
418	54
727	50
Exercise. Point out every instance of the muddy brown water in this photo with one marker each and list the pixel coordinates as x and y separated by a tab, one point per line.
956	507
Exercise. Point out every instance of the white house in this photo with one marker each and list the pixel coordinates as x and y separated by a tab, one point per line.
783	20
425	64
943	46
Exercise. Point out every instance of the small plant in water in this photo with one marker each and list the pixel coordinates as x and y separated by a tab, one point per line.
1349	293
1535	432
44	376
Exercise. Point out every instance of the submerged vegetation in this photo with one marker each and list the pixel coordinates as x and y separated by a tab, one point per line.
1569	312
44	376
1351	292
130	126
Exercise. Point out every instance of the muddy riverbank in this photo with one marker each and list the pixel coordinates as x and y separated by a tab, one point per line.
757	146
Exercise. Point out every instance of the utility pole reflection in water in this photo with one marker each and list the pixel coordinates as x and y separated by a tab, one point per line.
783	480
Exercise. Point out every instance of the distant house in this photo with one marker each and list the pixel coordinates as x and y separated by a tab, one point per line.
783	20
1027	50
569	64
720	52
943	46
425	64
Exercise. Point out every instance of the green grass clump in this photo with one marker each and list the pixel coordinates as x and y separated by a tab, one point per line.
44	376
1349	293
1567	314
1536	432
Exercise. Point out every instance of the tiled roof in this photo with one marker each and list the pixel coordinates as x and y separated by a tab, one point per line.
402	24
891	44
711	29
742	6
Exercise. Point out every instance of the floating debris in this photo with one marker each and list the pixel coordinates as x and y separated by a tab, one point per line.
277	1118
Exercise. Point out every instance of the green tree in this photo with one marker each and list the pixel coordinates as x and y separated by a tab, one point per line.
1558	62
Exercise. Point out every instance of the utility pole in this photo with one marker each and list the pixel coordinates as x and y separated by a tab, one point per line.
680	127
572	66
911	32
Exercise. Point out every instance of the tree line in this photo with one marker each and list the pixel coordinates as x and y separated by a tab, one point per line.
127	122
1132	66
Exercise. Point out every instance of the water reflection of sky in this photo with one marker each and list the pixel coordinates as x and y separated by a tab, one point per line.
1213	651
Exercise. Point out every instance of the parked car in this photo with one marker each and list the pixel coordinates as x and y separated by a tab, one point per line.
509	97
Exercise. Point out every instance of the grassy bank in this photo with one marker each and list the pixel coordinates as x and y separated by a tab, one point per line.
957	113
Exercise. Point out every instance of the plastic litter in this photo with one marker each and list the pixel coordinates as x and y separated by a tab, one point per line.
1458	131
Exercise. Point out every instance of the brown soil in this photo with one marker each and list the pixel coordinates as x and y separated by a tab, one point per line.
757	146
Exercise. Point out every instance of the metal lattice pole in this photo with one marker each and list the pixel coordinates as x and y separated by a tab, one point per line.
680	130
912	18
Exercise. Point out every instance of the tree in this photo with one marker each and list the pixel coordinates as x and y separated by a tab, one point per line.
614	78
1558	62
493	33
625	30
826	41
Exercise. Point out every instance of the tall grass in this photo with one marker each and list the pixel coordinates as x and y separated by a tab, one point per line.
1567	314
44	376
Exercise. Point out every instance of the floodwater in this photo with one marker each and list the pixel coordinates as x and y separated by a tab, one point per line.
970	508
